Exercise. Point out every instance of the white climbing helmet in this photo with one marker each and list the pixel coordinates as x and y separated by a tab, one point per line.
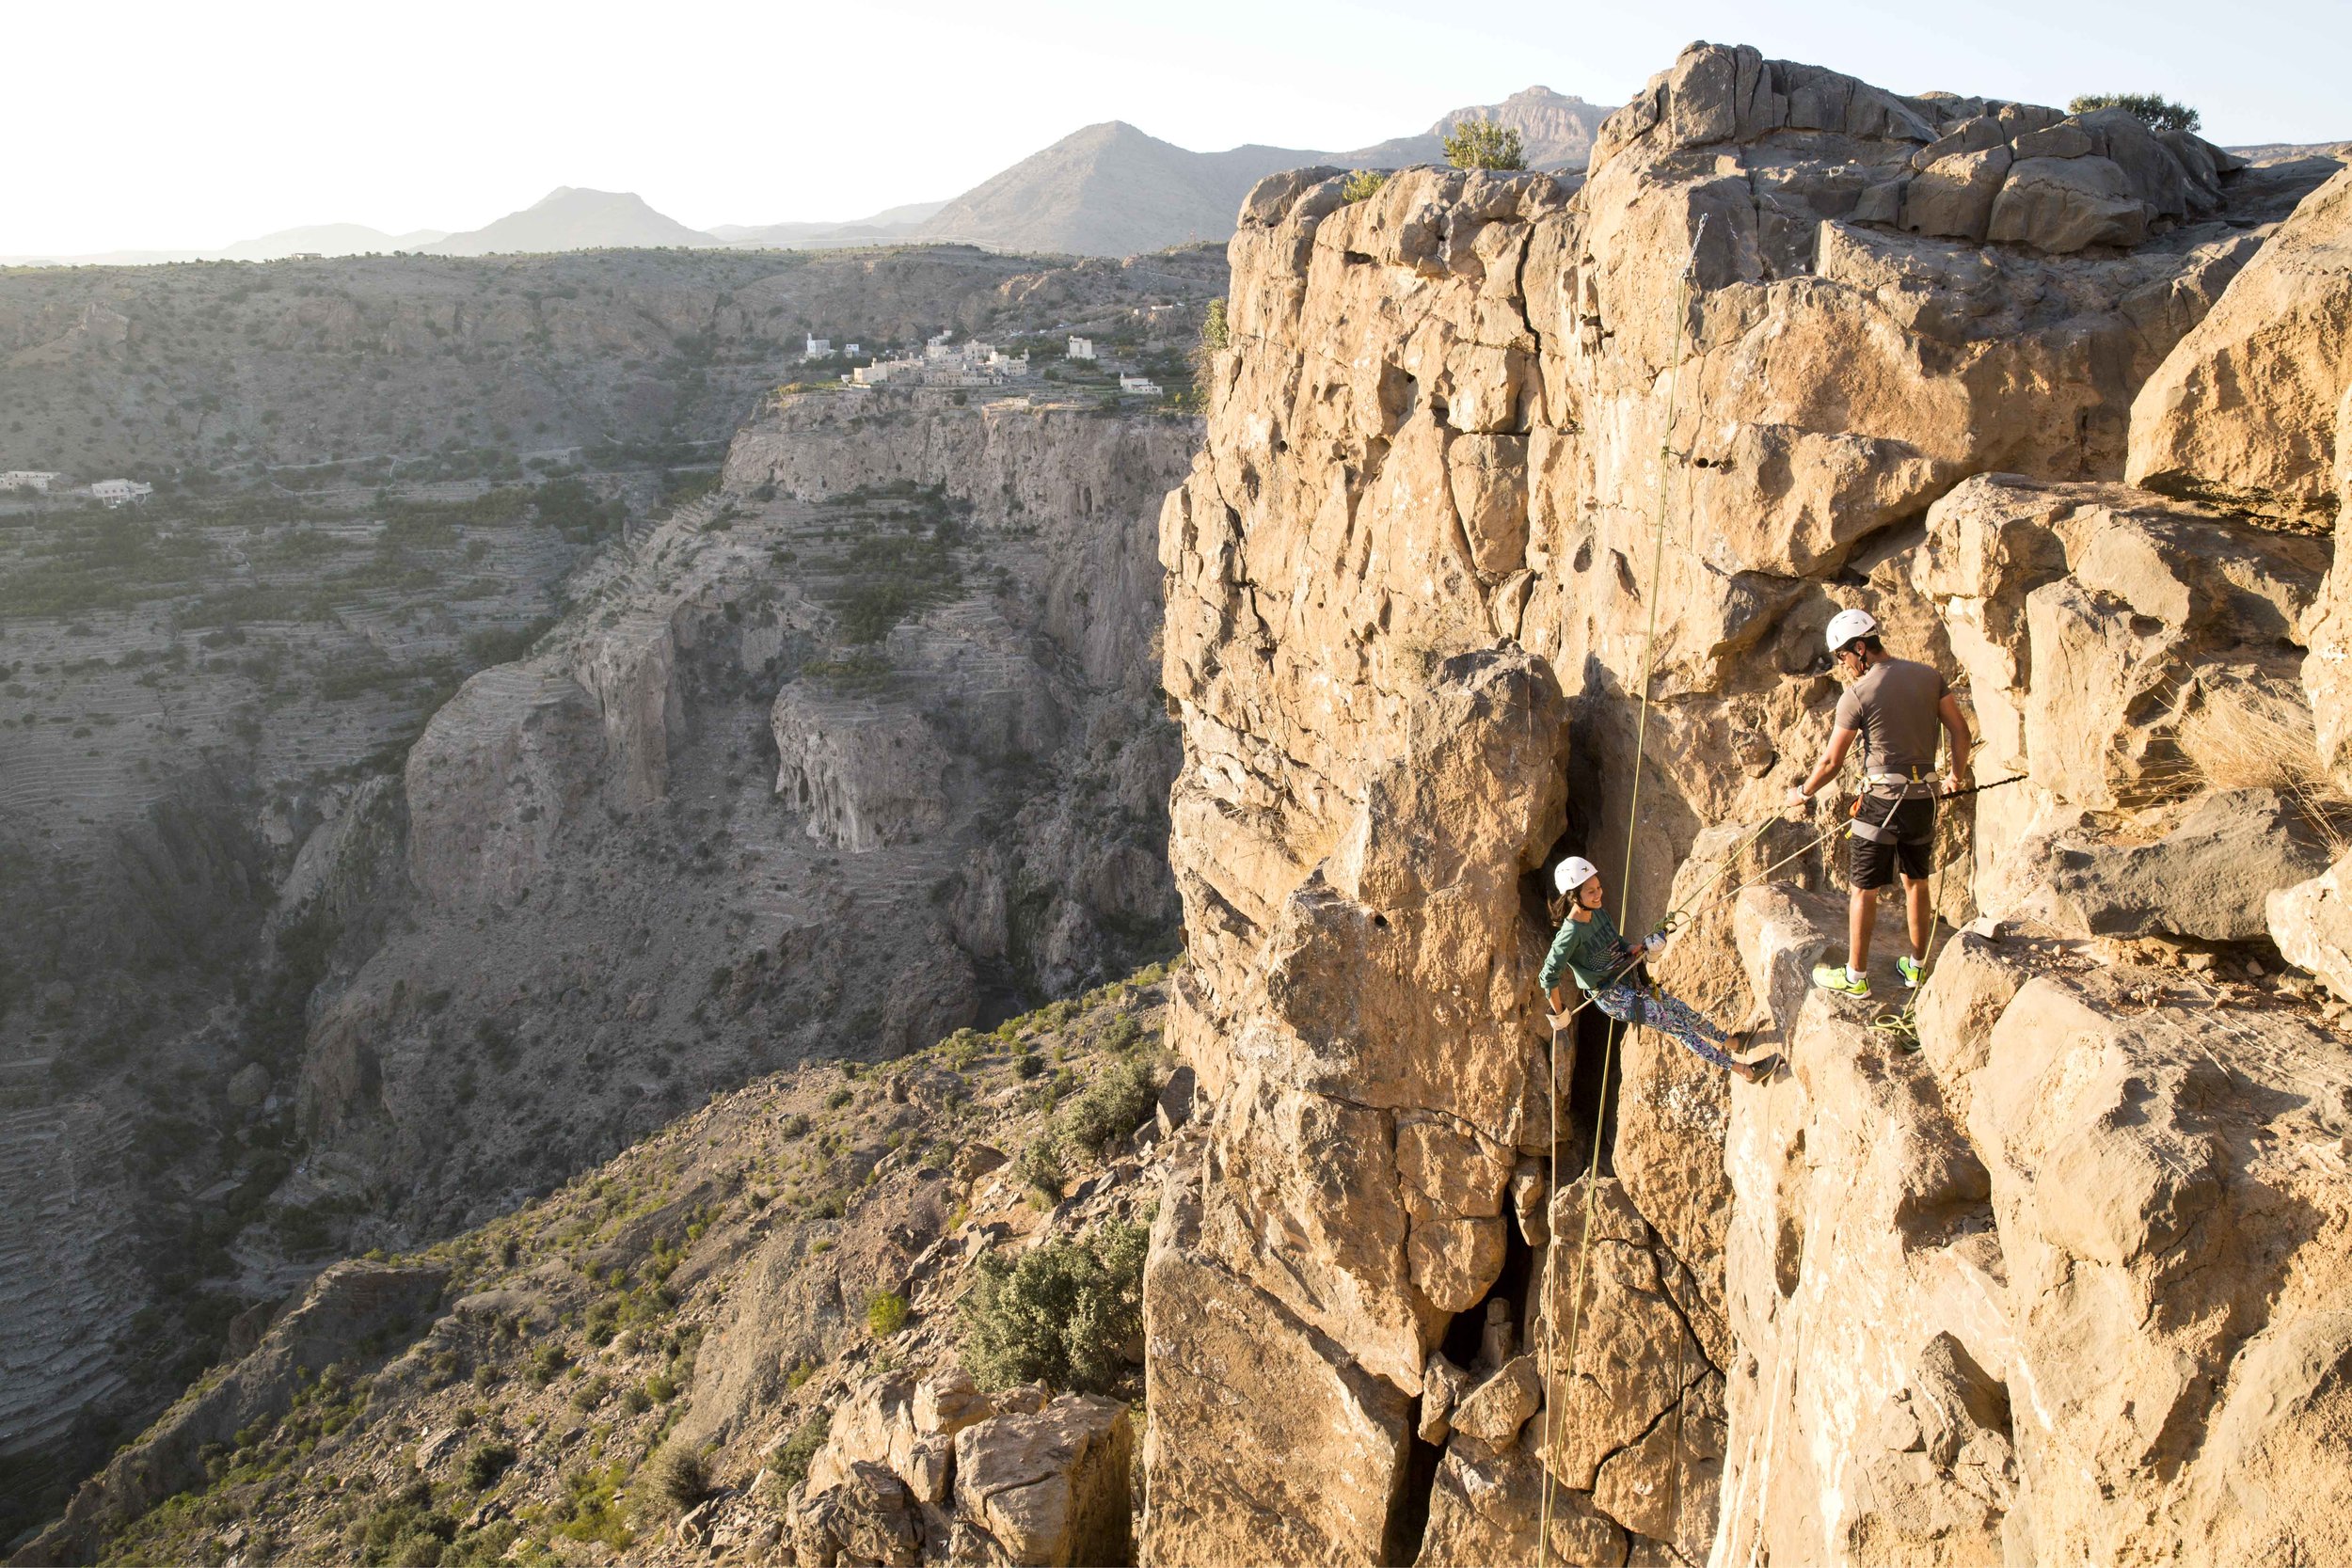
1574	873
1847	624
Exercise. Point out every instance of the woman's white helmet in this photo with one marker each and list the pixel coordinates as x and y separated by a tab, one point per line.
1574	873
1847	624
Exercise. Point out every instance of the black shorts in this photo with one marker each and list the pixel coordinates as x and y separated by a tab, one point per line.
1873	864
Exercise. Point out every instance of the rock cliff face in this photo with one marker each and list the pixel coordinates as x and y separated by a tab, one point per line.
1492	458
941	625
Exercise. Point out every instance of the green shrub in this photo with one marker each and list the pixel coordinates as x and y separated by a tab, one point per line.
1214	330
1485	144
790	1462
1109	1108
1062	1313
1039	1165
592	1393
635	1401
1363	185
1029	1064
839	1098
681	1478
885	1313
2158	112
485	1464
660	1388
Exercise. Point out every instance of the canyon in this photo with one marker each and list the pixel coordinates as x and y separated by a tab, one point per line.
372	814
1521	504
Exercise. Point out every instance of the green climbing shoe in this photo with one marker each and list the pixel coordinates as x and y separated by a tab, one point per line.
1832	977
1911	970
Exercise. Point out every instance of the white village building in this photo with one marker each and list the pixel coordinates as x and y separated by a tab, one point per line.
820	348
28	479
1081	348
120	492
1143	385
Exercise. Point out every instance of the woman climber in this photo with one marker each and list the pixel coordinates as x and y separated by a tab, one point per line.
1590	948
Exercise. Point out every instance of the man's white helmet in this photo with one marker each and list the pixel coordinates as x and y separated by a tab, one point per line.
1847	624
1574	873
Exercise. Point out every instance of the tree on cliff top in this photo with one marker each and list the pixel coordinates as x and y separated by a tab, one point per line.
1484	144
2159	112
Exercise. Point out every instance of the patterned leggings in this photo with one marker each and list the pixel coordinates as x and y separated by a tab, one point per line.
1667	1016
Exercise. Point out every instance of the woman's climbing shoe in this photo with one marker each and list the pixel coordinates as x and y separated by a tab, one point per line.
1832	977
1760	1069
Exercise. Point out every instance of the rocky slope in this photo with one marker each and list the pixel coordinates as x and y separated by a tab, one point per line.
518	1392
419	367
301	978
1492	458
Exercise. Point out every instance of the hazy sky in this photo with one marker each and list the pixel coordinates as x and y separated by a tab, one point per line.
177	126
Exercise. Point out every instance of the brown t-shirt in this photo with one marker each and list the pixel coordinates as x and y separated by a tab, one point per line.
1894	706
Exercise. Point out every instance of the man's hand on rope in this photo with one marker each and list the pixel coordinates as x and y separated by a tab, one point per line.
1797	803
1961	783
1560	1021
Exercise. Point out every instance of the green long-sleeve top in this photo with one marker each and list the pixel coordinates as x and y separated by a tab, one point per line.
1589	949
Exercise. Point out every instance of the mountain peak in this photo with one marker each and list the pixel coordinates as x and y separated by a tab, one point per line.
574	217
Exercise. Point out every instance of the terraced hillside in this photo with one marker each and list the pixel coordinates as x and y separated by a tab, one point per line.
207	706
416	367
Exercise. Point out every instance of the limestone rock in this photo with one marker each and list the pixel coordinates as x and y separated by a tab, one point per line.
1443	1384
948	1401
2063	204
1954	196
1421	542
2249	409
1492	1410
1267	1441
2312	922
1050	1487
2211	876
864	1515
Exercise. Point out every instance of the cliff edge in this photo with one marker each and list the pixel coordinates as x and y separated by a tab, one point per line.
1494	462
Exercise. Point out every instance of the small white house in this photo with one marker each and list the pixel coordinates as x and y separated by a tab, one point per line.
1081	348
28	479
851	349
120	492
820	348
1141	386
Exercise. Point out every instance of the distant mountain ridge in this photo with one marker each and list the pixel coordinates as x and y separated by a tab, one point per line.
1112	190
1105	190
571	218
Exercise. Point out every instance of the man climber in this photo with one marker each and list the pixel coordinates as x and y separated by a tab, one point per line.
1896	706
1590	948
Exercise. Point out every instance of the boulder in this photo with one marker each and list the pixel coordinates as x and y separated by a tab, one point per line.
2067	204
1954	194
1492	1410
1050	1487
864	1516
948	1401
2312	922
2249	409
2210	876
248	1086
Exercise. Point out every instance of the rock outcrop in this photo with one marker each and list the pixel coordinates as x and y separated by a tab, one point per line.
937	1471
1523	509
